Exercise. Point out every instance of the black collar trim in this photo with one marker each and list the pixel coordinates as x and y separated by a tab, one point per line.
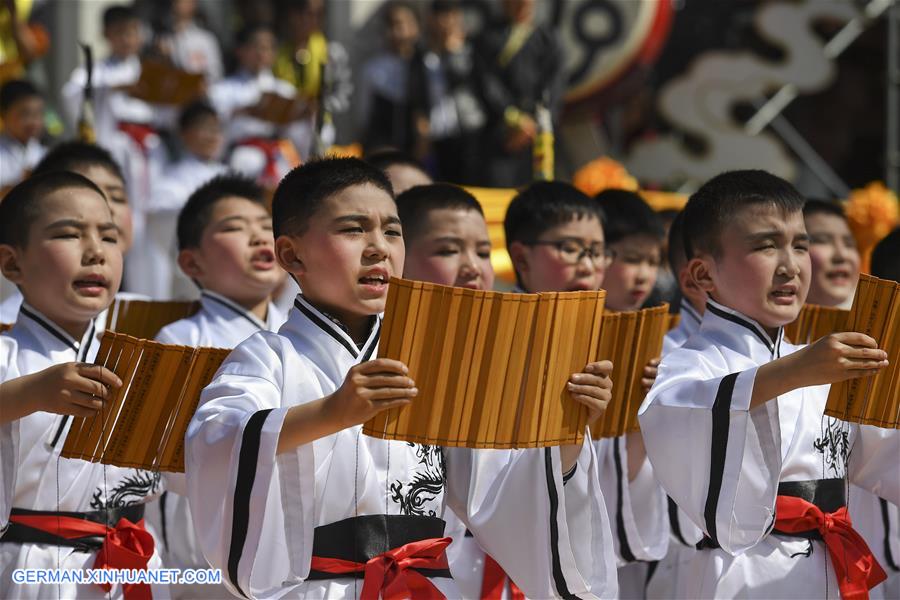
753	327
327	327
54	331
236	309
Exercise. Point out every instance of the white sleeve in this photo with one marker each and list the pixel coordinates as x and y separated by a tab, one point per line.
637	509
247	502
9	435
873	462
718	460
562	542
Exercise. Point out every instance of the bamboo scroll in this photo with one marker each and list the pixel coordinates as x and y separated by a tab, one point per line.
142	425
873	400
491	367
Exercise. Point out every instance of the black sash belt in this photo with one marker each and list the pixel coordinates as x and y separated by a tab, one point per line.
359	539
22	534
828	494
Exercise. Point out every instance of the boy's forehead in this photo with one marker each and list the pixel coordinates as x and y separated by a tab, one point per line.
73	202
237	206
763	216
364	199
583	226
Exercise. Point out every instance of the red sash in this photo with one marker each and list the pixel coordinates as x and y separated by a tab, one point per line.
392	573
139	132
495	579
125	546
854	565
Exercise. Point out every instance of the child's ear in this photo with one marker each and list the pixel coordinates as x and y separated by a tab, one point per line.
518	254
9	264
187	260
287	255
699	270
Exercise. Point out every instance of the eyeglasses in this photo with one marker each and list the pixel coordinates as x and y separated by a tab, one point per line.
571	251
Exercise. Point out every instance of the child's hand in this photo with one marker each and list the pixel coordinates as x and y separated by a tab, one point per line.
649	374
370	388
838	357
593	388
77	389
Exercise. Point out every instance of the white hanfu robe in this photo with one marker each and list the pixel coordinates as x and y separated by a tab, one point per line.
35	477
220	323
722	463
664	579
256	513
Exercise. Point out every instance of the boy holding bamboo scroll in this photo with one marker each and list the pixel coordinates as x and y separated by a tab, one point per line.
835	261
59	245
226	247
734	425
447	243
296	500
556	238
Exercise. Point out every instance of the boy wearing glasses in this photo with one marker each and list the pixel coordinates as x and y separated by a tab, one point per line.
556	240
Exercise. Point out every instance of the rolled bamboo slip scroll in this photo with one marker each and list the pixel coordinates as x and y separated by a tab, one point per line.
144	318
873	400
814	322
491	367
630	340
143	423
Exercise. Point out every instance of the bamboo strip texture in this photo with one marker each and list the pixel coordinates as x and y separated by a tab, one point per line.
144	423
491	367
873	400
814	322
144	318
630	340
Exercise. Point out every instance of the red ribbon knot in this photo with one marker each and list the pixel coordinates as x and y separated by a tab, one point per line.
126	546
392	575
854	564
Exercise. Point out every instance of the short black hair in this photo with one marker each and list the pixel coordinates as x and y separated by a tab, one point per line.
75	155
414	204
394	5
815	206
886	257
675	252
388	157
439	7
627	214
543	205
118	13
16	90
22	205
303	190
194	216
192	113
712	207
246	33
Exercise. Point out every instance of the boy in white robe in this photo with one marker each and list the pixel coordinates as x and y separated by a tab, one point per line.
201	139
22	115
297	502
225	246
556	240
255	145
663	580
835	261
447	242
59	244
734	424
127	126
